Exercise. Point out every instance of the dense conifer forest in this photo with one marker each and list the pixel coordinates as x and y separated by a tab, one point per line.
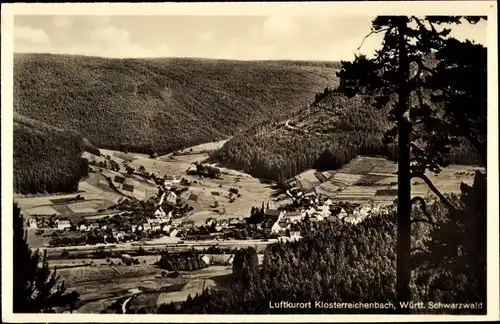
326	135
46	159
161	105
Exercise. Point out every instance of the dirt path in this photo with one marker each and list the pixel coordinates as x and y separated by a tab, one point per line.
287	125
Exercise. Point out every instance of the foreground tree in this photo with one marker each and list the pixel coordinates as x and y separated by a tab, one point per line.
455	253
35	286
399	76
245	261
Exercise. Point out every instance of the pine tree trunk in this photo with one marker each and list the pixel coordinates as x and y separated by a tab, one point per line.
403	270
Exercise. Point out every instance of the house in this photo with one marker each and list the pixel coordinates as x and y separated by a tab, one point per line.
295	235
118	235
351	219
236	222
167	185
176	222
362	212
294	217
210	221
169	177
63	224
156	226
83	227
166	228
173	232
134	228
32	223
273	214
339	212
146	227
311	211
221	259
172	198
224	223
218	228
206	259
323	210
188	223
280	226
159	213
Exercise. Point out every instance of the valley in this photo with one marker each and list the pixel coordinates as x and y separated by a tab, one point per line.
145	190
366	181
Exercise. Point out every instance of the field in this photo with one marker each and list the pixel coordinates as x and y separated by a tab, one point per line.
204	148
101	285
367	179
203	192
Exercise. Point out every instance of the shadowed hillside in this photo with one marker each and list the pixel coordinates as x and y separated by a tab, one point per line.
161	105
47	159
326	135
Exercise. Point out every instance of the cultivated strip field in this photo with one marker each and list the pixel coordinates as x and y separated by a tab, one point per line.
372	179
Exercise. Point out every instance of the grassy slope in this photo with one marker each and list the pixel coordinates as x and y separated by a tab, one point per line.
46	158
161	104
332	131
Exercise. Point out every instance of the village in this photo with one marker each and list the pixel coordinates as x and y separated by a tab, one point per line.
166	215
137	200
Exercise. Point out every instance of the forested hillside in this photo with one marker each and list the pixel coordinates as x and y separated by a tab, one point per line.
46	159
326	135
160	105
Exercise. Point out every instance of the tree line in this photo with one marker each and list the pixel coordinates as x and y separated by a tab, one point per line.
181	261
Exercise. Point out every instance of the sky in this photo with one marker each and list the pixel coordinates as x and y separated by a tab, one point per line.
308	37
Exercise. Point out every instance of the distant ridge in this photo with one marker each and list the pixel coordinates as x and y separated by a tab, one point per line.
161	104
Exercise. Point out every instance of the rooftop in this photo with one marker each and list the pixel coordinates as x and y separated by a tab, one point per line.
273	212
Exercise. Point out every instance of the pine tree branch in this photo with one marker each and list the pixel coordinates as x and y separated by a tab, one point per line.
419	23
372	33
433	188
432	26
423	205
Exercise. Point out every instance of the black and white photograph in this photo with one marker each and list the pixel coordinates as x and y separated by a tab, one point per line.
249	159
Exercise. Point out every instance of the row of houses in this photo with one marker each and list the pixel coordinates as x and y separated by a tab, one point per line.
318	209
